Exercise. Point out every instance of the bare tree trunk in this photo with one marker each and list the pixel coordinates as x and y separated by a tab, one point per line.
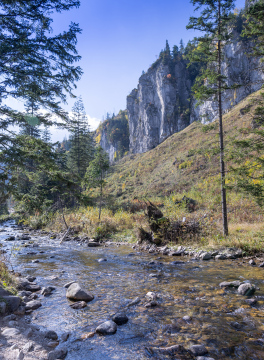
221	137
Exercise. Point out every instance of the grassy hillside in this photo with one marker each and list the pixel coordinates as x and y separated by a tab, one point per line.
187	163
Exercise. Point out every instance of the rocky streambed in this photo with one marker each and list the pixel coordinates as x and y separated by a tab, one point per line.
133	305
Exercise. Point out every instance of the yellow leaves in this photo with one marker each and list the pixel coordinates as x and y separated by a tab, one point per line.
98	138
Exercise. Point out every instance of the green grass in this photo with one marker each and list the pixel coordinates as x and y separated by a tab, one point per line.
187	163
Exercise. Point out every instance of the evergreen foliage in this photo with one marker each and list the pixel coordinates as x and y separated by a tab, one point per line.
248	153
117	132
82	146
95	174
35	65
214	20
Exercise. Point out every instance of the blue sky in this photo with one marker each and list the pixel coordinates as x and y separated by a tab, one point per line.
120	38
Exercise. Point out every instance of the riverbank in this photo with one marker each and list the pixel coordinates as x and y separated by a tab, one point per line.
188	299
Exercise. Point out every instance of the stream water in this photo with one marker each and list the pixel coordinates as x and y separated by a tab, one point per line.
220	319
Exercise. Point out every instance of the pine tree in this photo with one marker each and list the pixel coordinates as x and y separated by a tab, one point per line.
46	136
34	64
247	154
95	173
181	47
82	146
214	21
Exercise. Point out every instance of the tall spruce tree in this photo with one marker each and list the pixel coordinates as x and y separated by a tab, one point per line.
35	64
247	153
214	20
82	147
95	174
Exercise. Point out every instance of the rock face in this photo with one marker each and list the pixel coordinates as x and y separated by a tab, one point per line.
157	108
238	68
162	104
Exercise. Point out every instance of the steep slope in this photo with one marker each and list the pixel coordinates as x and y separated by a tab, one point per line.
186	159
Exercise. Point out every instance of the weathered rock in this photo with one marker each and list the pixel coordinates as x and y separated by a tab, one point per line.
16	355
28	347
24	293
93	244
246	289
31	278
230	284
151	295
252	262
205	256
10	238
251	302
4	292
107	328
78	305
2	307
53	344
120	318
33	305
152	303
221	257
11	332
74	292
51	335
47	290
58	354
136	301
32	287
198	350
20	310
13	302
64	337
69	284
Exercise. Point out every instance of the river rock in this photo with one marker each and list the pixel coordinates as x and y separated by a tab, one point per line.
107	328
53	344
172	350
20	310
152	303
51	335
10	238
221	257
230	284
64	337
58	354
78	305
35	261
32	287
2	307
33	305
252	262
187	318
136	301
28	347
10	317
11	332
13	302
151	296
205	256
198	350
204	358
101	260
251	302
74	292
17	355
246	289
30	278
93	244
47	290
120	318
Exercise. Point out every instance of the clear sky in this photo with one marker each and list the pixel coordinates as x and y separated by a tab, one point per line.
120	39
